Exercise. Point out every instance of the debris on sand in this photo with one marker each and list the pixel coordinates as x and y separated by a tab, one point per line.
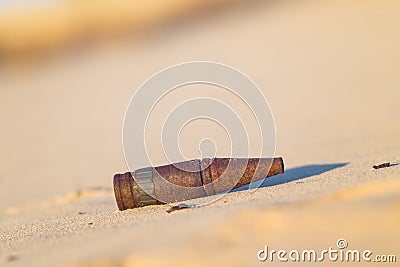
383	165
180	207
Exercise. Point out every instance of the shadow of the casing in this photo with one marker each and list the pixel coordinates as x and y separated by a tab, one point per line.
293	174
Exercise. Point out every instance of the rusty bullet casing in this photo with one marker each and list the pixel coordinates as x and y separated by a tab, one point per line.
190	179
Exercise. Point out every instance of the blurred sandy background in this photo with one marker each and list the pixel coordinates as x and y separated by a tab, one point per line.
329	69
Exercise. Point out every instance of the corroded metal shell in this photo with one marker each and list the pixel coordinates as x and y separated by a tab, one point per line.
190	179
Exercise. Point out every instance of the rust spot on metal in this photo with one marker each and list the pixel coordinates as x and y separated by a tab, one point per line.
184	174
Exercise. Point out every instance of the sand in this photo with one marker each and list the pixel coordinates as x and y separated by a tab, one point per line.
330	72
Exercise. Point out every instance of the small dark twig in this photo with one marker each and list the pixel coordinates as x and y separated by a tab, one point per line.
180	207
380	166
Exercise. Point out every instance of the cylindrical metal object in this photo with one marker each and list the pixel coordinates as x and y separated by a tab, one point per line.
190	179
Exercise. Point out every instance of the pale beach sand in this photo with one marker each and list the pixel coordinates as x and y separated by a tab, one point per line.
331	73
